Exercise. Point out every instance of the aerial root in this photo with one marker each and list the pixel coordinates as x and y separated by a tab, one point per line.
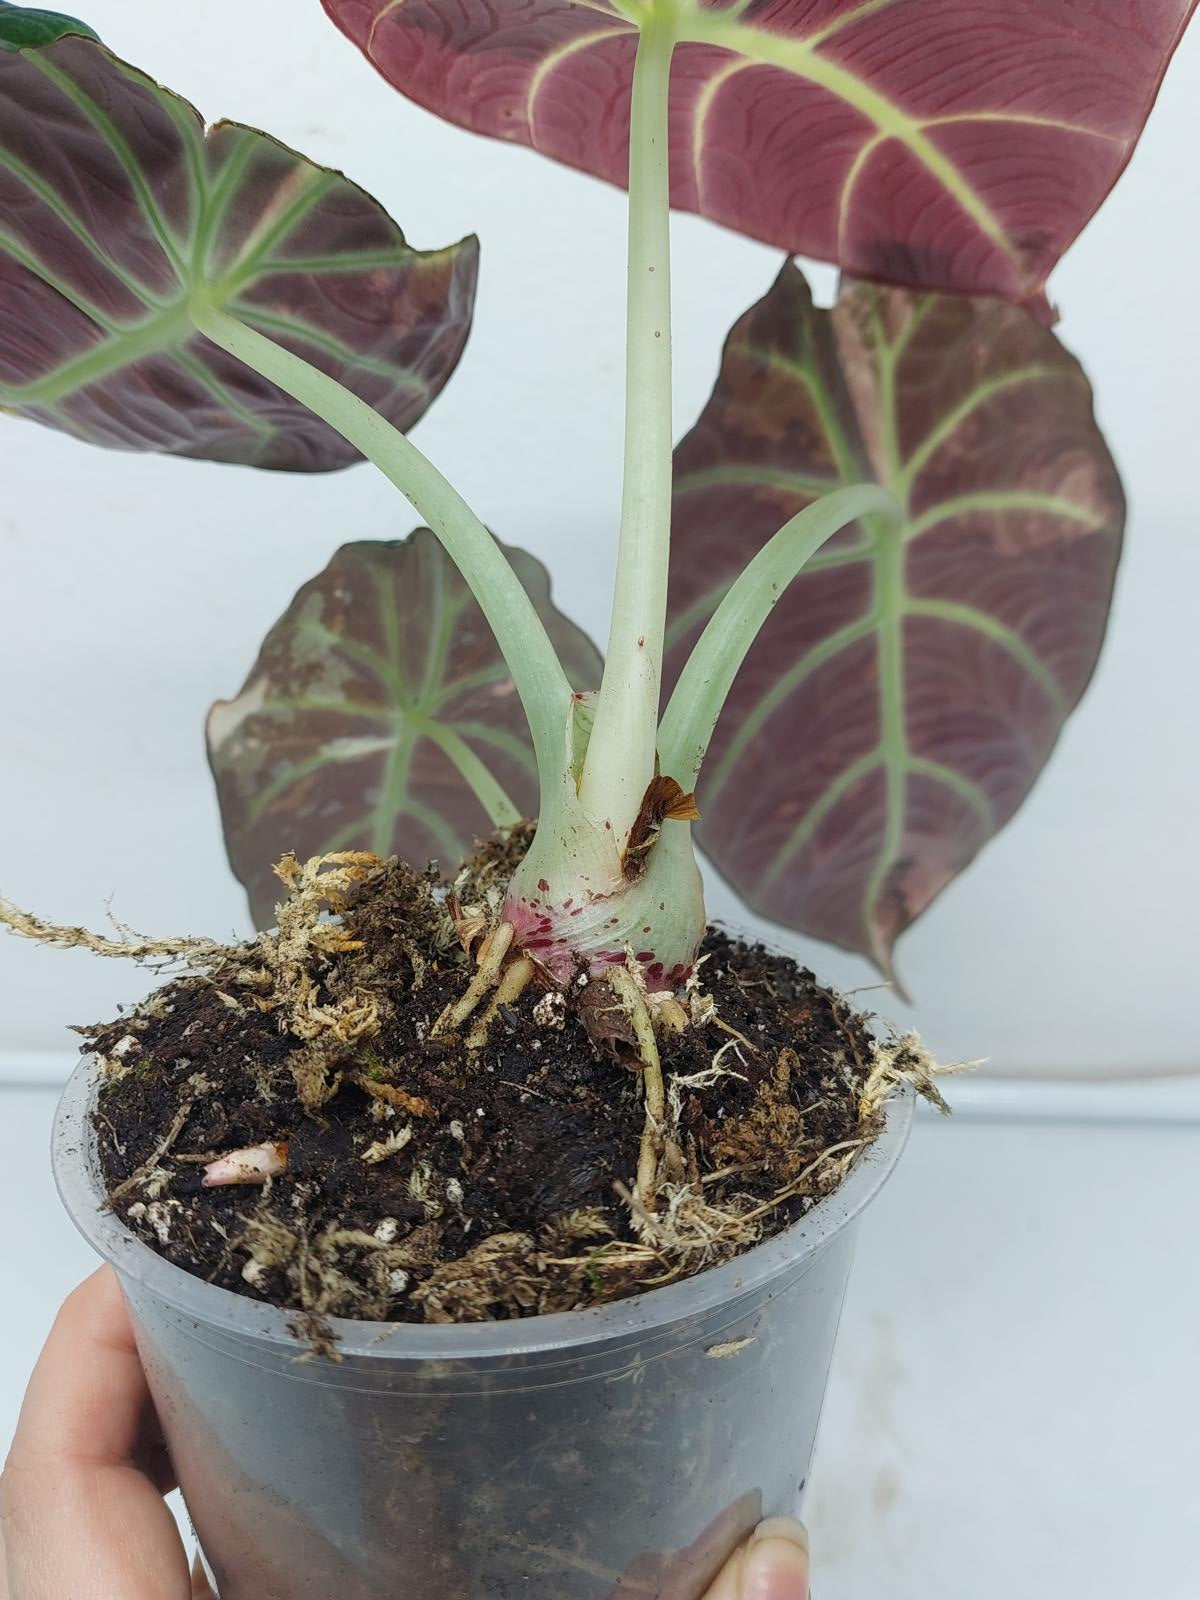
671	1014
633	1001
487	976
513	982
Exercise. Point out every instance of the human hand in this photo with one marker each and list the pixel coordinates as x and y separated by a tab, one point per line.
81	1500
81	1508
771	1565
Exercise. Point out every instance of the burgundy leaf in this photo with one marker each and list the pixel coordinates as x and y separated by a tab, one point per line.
910	686
940	143
117	206
372	698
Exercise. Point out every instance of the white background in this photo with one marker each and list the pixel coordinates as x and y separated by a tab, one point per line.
136	590
1013	1405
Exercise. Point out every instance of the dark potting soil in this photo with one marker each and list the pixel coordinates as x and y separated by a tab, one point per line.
426	1181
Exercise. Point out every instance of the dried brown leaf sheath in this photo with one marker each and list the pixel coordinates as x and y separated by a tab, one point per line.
664	800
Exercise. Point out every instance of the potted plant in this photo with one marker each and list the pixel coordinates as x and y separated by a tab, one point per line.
505	1199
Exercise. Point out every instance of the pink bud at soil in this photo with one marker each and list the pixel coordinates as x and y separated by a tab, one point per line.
255	1164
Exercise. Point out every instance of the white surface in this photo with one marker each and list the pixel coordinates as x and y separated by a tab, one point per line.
1014	1402
1013	1407
137	590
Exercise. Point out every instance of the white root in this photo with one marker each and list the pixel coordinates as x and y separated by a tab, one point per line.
629	992
253	1165
487	974
669	1013
513	983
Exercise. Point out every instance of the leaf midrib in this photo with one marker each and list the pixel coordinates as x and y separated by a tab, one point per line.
164	331
892	604
801	58
169	328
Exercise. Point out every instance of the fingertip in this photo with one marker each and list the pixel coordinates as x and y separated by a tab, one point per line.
87	1394
786	1528
776	1566
772	1564
97	1307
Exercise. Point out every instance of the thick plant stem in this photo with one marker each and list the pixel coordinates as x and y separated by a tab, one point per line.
537	673
705	682
621	756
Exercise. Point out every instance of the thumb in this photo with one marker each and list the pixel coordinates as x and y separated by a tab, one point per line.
201	1588
771	1565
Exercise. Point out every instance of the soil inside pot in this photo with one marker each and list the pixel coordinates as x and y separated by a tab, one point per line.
424	1180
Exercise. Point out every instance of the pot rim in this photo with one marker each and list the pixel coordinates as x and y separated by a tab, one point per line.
76	1176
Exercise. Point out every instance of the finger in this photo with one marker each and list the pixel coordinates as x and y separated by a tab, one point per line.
80	1517
201	1588
771	1565
88	1398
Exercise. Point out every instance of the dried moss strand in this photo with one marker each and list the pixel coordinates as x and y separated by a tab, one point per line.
199	954
848	1150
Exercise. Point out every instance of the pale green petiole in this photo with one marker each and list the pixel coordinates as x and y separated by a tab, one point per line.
570	898
705	682
475	773
621	755
537	673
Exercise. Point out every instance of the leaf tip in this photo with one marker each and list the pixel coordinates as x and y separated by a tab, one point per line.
883	955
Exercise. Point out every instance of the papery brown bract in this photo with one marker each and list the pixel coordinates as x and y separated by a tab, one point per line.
910	685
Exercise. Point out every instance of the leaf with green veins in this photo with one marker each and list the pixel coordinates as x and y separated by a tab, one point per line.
922	142
380	716
910	686
117	206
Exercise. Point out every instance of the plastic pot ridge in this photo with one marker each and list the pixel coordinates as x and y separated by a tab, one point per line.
610	1454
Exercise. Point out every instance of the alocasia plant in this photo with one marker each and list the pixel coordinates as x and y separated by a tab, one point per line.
916	473
380	705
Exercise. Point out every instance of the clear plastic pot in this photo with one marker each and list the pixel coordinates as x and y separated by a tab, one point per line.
614	1454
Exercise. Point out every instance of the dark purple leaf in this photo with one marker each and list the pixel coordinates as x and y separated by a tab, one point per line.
372	694
929	142
116	206
909	687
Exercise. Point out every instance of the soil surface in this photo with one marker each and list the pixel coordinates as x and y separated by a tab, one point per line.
424	1180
